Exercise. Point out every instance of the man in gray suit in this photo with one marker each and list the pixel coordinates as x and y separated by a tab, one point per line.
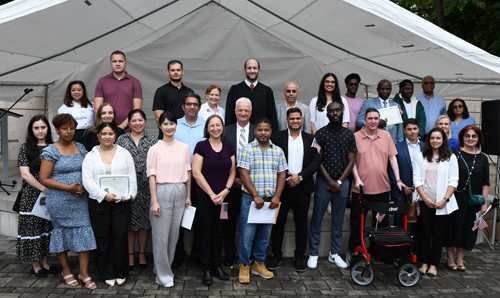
239	135
291	93
384	89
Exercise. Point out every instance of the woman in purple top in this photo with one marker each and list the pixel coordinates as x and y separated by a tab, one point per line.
214	169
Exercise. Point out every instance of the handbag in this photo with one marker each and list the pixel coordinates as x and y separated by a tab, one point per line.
476	199
411	217
17	203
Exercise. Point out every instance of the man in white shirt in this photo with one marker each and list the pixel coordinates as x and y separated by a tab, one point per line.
303	161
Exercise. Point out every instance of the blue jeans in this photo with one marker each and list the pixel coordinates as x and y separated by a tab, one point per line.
321	199
252	234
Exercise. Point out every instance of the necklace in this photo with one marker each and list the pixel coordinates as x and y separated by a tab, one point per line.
471	169
107	151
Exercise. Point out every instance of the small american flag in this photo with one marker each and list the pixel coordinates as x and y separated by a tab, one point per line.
482	223
380	216
316	145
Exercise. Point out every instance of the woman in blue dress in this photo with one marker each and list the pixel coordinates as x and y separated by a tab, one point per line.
66	200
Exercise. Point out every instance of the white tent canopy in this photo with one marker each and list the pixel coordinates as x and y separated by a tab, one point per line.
296	40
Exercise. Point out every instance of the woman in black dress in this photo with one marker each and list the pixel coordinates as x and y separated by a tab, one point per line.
459	232
34	232
138	142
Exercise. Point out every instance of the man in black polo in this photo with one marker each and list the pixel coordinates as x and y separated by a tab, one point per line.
338	151
170	96
303	161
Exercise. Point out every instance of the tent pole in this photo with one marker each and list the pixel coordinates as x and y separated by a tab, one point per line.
46	101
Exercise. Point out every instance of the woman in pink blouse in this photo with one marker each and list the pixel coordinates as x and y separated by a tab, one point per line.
169	172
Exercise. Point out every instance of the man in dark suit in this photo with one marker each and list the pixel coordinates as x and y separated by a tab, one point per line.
407	152
303	161
239	135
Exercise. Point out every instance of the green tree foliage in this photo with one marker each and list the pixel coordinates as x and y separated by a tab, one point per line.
476	21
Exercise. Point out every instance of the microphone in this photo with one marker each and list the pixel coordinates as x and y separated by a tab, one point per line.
26	91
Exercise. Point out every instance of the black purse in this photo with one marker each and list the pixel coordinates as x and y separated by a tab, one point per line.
476	199
17	203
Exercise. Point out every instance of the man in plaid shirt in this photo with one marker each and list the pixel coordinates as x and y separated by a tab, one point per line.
262	167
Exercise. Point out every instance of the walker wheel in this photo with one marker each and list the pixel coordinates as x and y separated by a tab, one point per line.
362	273
408	275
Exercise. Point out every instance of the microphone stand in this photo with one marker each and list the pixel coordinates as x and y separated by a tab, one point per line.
26	91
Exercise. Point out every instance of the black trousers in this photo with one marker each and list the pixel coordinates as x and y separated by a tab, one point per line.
110	224
211	231
355	220
298	200
180	252
432	229
234	207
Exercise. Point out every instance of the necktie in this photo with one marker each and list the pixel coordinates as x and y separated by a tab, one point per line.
251	86
385	103
242	142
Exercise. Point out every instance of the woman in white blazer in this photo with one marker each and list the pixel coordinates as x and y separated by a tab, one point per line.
109	212
435	176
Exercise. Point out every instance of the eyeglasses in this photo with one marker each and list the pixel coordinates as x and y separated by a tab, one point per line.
291	91
428	83
353	84
194	104
468	136
458	106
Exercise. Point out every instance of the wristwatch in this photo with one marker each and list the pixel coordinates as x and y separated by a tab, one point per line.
447	199
300	178
228	189
339	182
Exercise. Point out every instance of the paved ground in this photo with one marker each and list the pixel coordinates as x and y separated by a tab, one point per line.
482	279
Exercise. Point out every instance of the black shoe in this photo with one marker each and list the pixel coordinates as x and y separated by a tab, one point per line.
177	262
300	264
143	266
273	263
228	260
40	273
207	278
51	270
131	267
220	274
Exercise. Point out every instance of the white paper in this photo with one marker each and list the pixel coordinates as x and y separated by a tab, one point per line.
263	215
40	208
391	115
115	184
188	217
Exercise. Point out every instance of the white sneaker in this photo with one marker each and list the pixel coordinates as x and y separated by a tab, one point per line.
312	262
337	260
329	208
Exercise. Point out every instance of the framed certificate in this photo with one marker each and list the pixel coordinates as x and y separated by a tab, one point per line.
391	115
115	184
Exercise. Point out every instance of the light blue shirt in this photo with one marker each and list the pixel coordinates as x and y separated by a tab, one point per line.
434	107
456	128
188	134
413	150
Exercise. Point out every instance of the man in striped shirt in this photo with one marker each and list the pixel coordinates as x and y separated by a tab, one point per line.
262	166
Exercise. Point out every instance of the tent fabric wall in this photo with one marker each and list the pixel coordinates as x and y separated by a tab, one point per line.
297	42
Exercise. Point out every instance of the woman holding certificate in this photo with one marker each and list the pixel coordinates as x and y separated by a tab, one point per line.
214	169
169	172
138	142
109	177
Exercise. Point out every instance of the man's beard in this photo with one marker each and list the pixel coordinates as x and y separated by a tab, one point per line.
336	122
250	79
176	80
